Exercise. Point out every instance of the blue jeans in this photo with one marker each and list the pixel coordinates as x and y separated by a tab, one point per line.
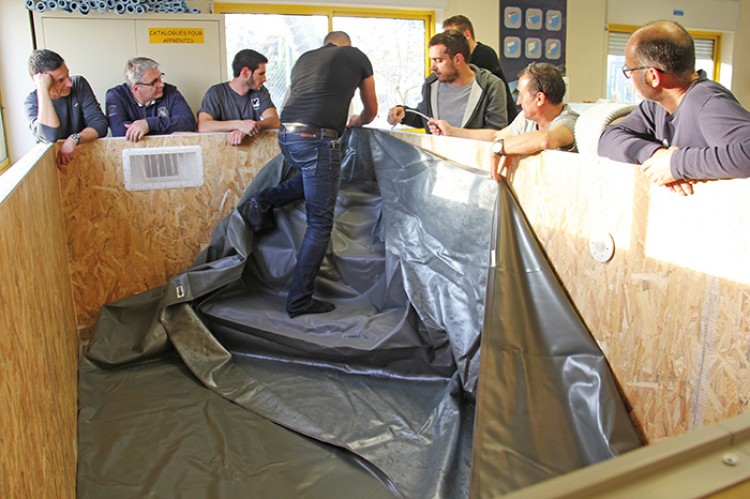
318	162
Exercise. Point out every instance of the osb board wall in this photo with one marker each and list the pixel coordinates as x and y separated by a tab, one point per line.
671	310
125	242
38	344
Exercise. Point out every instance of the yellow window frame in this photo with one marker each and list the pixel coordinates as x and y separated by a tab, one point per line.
4	162
703	35
319	10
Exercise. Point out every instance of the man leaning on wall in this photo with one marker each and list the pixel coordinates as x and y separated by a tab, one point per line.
62	107
545	122
146	105
688	128
242	106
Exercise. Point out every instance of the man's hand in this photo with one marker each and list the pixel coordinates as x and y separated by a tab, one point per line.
42	81
440	127
353	121
658	168
136	130
396	114
234	138
66	153
250	127
500	166
681	187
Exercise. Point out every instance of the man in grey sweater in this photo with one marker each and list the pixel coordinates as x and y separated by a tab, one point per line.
689	128
458	92
62	107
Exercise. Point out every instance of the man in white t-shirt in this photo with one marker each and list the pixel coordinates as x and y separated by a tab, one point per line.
545	123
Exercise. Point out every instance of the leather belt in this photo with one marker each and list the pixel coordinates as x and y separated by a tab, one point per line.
309	131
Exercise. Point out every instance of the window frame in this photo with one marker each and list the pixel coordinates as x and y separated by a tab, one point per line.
330	11
715	36
4	162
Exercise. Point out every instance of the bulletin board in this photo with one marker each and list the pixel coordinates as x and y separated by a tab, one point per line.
532	31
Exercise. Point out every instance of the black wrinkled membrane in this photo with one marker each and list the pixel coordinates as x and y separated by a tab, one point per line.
205	388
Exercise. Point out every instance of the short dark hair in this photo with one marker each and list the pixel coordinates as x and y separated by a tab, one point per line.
545	78
247	58
460	23
337	38
455	43
665	45
44	60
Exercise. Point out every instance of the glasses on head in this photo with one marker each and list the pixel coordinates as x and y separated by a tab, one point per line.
628	72
153	82
538	82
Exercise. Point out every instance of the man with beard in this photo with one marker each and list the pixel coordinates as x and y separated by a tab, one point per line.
62	107
482	56
242	106
458	92
545	121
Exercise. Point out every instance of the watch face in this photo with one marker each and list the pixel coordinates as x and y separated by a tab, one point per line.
498	148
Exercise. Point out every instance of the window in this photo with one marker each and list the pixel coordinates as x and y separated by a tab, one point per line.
4	159
621	89
395	41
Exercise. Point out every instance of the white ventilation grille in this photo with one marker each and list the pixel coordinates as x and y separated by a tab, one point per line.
162	168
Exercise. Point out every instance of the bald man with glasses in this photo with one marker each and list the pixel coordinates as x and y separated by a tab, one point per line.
688	128
146	105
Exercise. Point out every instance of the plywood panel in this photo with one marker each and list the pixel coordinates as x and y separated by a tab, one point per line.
671	310
122	242
38	344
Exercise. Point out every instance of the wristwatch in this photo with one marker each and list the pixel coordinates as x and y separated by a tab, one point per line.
499	147
76	137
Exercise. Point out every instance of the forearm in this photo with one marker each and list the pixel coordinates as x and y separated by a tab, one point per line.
175	123
534	142
269	123
88	134
46	114
620	144
210	125
474	133
721	162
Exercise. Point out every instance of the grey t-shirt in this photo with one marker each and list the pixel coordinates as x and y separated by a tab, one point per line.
566	118
452	101
224	104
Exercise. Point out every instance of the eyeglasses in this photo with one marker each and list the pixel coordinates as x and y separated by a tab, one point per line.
530	70
628	72
152	83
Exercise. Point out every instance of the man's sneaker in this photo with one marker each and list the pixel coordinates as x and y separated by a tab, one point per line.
256	216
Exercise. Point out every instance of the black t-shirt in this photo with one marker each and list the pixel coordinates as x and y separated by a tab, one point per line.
323	84
485	57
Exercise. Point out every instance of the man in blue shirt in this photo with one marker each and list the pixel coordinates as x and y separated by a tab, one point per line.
145	105
62	107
